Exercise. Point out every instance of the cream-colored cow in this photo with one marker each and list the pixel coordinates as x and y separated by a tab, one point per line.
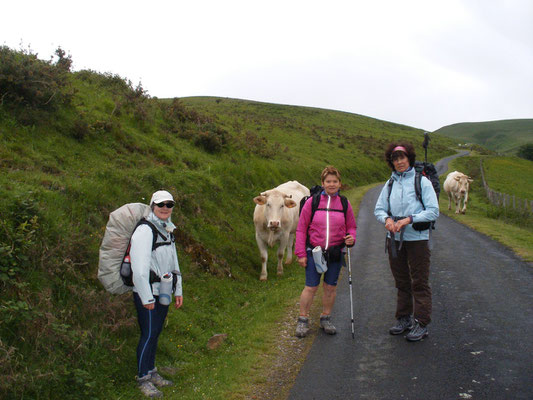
276	217
457	186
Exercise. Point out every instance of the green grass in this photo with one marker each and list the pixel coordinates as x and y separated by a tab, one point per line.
504	136
509	175
512	229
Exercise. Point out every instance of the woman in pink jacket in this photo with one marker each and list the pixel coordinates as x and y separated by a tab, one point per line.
332	227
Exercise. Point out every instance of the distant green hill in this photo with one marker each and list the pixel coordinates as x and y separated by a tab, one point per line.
502	136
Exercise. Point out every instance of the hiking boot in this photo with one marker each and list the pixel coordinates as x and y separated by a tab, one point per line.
325	323
147	387
158	380
418	332
403	324
302	327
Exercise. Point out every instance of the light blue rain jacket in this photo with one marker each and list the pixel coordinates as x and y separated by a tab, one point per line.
403	203
162	260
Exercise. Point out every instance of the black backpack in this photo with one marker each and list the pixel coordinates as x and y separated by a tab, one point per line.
429	171
315	194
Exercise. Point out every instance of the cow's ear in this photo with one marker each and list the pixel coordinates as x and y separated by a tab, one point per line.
470	180
290	203
260	200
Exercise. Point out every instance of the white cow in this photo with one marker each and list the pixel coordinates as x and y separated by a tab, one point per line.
276	218
457	185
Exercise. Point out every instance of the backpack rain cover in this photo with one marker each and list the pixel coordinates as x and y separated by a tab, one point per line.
117	235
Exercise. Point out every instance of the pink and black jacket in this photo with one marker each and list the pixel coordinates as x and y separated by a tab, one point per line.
328	227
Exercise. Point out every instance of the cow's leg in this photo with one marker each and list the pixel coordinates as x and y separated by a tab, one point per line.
464	203
290	245
264	257
283	241
449	200
457	199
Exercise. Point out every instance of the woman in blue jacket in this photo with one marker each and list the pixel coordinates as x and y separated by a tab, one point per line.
407	221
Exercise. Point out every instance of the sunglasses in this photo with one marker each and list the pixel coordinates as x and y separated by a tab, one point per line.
170	204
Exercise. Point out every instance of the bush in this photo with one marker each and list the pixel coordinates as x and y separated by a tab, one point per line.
526	151
28	82
177	112
211	138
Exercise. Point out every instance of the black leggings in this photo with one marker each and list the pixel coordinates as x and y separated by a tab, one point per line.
151	324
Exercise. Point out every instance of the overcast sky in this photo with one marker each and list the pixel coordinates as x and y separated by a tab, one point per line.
423	63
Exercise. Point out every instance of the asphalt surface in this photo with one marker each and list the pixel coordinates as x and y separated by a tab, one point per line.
480	343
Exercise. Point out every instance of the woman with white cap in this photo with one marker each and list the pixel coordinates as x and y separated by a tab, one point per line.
407	219
153	259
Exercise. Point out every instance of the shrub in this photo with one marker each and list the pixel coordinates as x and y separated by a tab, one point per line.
210	137
28	82
177	112
80	129
526	151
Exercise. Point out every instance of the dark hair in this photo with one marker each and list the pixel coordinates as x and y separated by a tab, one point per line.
330	170
390	154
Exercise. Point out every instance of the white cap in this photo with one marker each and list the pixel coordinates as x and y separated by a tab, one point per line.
160	196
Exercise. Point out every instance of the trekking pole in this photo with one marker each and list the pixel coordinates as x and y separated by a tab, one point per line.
351	297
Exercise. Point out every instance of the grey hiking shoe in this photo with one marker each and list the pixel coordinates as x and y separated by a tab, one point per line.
325	323
418	332
147	387
158	380
302	327
403	324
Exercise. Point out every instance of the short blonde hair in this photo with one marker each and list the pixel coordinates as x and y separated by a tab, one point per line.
330	170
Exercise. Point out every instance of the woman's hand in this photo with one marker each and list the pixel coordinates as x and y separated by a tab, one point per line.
179	301
302	261
349	240
389	225
399	225
149	306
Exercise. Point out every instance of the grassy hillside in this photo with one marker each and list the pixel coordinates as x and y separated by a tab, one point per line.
74	147
501	136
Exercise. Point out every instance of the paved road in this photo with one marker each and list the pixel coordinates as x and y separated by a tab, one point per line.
480	344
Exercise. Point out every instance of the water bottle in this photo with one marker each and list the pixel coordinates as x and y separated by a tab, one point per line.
320	262
125	270
165	289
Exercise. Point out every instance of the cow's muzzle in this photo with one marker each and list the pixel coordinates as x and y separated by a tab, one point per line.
273	225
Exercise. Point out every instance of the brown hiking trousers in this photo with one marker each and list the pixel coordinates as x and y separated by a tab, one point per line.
410	270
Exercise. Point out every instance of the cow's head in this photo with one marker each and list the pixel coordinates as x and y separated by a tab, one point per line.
274	203
464	182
